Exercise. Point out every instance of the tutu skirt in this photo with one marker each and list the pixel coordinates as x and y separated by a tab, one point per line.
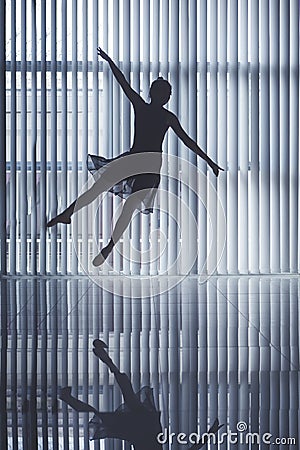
99	166
125	423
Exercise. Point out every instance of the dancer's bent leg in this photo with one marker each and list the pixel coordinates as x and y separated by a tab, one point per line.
78	405
101	185
130	205
122	379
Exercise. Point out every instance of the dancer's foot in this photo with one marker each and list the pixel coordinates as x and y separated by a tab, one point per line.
61	218
99	351
101	257
100	344
65	393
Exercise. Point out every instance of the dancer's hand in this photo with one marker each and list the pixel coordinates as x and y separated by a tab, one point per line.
103	54
216	169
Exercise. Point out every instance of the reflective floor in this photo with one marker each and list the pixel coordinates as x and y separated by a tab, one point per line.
227	348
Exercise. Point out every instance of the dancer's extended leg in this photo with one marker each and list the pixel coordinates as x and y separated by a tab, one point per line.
101	185
130	205
123	381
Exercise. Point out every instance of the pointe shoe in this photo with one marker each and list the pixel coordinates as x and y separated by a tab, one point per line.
99	344
65	392
98	260
58	219
101	257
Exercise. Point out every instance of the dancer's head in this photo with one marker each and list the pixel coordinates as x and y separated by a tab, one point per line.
160	91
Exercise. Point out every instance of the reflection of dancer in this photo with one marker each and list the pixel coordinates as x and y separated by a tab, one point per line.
151	123
136	421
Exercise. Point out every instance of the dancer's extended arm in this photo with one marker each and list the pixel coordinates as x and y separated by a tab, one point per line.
133	96
189	142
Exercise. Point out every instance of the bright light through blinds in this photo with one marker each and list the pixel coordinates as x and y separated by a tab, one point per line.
234	68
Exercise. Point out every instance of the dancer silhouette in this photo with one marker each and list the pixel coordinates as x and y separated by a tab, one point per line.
136	179
136	421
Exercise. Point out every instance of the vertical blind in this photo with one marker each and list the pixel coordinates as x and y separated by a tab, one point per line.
234	69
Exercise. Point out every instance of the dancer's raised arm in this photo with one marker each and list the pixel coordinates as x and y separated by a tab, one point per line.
190	143
132	95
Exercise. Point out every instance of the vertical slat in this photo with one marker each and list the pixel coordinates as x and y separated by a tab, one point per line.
212	349
284	121
53	121
254	353
85	350
294	136
163	355
264	140
116	140
233	120
233	360
34	368
33	224
254	137
135	340
14	359
23	180
173	141
265	353
193	345
275	354
126	114
64	134
97	302
203	356
145	337
24	363
75	354
54	365
107	131
243	350
294	344
274	138
3	360
212	135
163	68
222	121
13	148
95	105
74	176
183	219
3	143
243	139
44	365
285	363
154	70
222	354
64	360
136	221
192	114
202	134
174	359
145	219
43	134
84	125
185	369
